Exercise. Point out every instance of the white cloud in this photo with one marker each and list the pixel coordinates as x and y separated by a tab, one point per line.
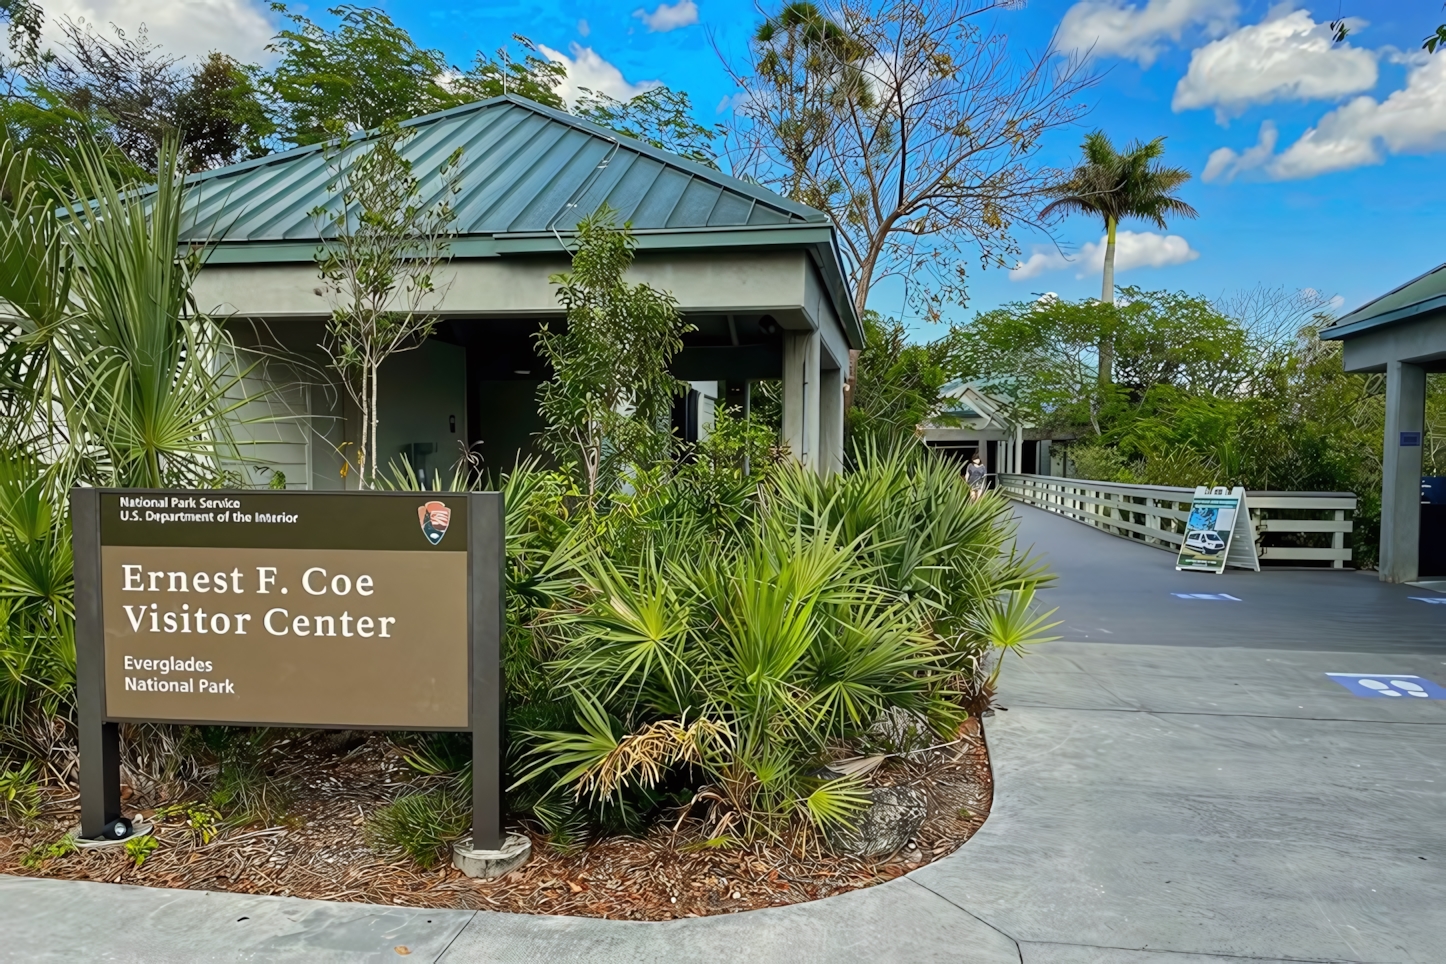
667	17
1224	164
1133	249
192	28
583	28
1365	131
731	102
1287	56
586	68
1042	260
1113	28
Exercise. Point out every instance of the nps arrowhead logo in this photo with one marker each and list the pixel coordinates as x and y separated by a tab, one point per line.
434	518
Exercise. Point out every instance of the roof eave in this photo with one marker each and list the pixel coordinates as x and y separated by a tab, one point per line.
1350	329
537	242
1355	322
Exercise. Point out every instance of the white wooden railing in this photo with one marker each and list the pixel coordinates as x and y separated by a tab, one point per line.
1156	514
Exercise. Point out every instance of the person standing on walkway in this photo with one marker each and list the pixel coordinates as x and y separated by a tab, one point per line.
977	476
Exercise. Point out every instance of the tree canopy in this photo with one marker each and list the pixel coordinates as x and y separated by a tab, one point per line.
356	70
355	77
915	127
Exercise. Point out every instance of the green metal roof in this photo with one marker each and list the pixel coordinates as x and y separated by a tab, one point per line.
525	168
1416	297
528	174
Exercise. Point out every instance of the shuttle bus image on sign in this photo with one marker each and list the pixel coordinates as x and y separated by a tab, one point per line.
1207	542
352	610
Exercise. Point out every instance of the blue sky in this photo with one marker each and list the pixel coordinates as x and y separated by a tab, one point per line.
1342	191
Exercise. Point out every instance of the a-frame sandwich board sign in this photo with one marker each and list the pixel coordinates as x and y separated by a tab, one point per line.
1218	532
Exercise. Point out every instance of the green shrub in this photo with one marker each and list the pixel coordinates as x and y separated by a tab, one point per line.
420	826
37	615
139	848
202	822
684	657
110	378
37	855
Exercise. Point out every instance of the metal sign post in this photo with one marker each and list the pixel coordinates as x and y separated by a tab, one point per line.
100	803
485	575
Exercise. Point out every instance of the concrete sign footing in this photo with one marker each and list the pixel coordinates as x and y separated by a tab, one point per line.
491	864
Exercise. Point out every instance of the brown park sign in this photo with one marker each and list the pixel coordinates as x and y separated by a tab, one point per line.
258	608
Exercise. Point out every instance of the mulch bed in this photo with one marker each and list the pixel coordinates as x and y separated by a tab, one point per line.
319	852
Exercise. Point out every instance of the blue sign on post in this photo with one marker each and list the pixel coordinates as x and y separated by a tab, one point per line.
1389	685
1411	439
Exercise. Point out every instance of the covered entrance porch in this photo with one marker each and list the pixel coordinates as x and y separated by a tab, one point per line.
1403	335
758	276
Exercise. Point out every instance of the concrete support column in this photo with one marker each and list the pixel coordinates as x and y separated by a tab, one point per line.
1401	476
831	420
801	378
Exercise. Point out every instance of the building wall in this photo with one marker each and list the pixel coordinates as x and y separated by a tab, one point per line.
423	409
294	417
270	423
708	393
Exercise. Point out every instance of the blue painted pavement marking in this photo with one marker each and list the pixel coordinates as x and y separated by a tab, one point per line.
1387	685
1216	596
1434	600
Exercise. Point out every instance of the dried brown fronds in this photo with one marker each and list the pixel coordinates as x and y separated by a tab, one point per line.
642	756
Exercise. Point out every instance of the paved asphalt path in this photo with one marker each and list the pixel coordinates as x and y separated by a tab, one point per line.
1177	782
1113	590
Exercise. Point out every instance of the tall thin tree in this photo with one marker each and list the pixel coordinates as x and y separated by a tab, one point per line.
915	127
386	236
1114	185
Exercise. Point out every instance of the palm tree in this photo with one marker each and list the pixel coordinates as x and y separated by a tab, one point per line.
1112	185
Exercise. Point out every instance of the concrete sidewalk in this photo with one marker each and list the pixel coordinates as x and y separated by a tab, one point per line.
1177	804
1234	803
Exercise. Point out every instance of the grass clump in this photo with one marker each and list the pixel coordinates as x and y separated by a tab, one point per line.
19	791
40	854
420	825
249	786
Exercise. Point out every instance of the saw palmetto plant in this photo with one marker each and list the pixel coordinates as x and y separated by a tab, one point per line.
719	668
